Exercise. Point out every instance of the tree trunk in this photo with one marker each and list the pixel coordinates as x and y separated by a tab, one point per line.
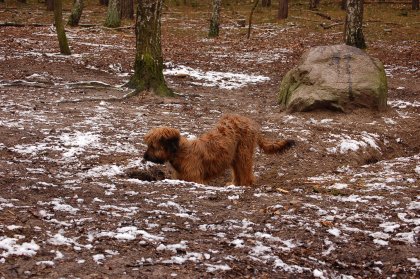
127	9
59	26
266	3
343	4
148	65
214	22
313	4
353	33
283	9
50	5
76	13
415	5
113	17
103	2
250	18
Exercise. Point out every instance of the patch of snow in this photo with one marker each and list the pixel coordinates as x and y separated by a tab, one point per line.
45	263
174	248
334	231
98	258
318	274
389	226
11	247
407	237
237	243
415	261
223	80
338	186
126	234
213	268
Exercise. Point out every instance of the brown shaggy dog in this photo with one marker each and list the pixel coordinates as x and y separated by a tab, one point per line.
230	144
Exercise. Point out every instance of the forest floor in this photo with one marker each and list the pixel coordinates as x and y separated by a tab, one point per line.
76	200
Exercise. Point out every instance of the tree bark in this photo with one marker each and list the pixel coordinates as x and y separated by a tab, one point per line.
59	26
76	13
343	4
353	32
415	5
250	18
266	3
215	17
113	17
148	65
127	9
50	5
283	9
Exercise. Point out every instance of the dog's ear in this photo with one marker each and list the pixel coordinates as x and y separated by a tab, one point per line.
170	139
171	144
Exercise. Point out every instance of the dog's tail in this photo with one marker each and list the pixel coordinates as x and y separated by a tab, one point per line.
274	146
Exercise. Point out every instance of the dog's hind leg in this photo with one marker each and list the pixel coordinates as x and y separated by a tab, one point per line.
242	165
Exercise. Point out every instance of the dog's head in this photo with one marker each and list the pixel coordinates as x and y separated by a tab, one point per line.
162	144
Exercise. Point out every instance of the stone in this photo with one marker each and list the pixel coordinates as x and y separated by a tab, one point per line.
337	77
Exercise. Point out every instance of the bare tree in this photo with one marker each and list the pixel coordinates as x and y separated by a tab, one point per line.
343	4
127	9
283	9
214	21
250	18
76	13
113	16
415	5
59	26
50	5
353	32
266	3
148	65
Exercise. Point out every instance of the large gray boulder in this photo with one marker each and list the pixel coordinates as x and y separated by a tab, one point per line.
337	77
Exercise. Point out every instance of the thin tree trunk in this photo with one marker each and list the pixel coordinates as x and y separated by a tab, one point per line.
76	13
50	5
148	65
113	17
353	33
343	4
415	5
266	3
59	26
127	9
214	22
283	11
250	18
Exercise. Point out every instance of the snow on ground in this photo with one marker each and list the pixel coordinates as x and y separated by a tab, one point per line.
224	80
169	213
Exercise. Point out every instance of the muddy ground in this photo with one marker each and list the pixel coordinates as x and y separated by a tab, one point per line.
76	201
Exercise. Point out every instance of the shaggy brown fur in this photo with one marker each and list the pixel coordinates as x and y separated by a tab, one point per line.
230	144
